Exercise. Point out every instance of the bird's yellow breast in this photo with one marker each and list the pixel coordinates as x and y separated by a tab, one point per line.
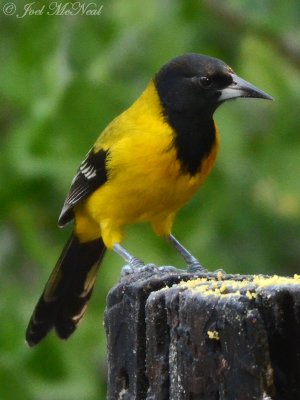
145	178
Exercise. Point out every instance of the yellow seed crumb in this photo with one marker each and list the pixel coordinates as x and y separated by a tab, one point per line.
223	288
251	295
275	280
213	335
219	276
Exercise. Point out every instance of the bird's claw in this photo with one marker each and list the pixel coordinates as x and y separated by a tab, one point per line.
196	267
137	265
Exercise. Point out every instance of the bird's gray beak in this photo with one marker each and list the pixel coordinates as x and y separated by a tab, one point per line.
241	88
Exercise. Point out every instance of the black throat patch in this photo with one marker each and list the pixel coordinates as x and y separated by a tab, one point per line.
195	136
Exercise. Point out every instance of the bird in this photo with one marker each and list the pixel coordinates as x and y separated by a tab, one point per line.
145	165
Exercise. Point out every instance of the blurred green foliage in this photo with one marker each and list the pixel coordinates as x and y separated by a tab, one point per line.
62	79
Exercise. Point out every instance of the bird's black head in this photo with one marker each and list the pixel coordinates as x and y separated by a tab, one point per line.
190	88
195	82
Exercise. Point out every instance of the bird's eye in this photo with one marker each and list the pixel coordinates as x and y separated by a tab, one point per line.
205	82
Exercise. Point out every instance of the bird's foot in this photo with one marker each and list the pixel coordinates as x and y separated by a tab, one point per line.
220	272
137	266
194	266
170	268
136	262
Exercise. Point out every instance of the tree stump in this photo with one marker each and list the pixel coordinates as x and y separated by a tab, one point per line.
173	335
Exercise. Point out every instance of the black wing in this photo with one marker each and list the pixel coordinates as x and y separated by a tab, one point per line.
90	176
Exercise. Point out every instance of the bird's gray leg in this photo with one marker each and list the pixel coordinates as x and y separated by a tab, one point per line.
127	257
192	262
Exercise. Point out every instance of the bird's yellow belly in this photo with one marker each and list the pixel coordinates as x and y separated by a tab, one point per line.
155	191
145	179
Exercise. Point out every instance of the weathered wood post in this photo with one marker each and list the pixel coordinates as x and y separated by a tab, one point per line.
174	335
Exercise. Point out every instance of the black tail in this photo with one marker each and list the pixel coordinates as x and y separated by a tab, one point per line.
66	294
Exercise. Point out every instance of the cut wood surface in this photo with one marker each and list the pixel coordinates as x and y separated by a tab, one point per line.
176	335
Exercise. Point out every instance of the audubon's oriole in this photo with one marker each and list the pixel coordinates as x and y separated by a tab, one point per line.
145	166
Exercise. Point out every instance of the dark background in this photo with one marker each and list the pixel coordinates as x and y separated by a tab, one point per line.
62	79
